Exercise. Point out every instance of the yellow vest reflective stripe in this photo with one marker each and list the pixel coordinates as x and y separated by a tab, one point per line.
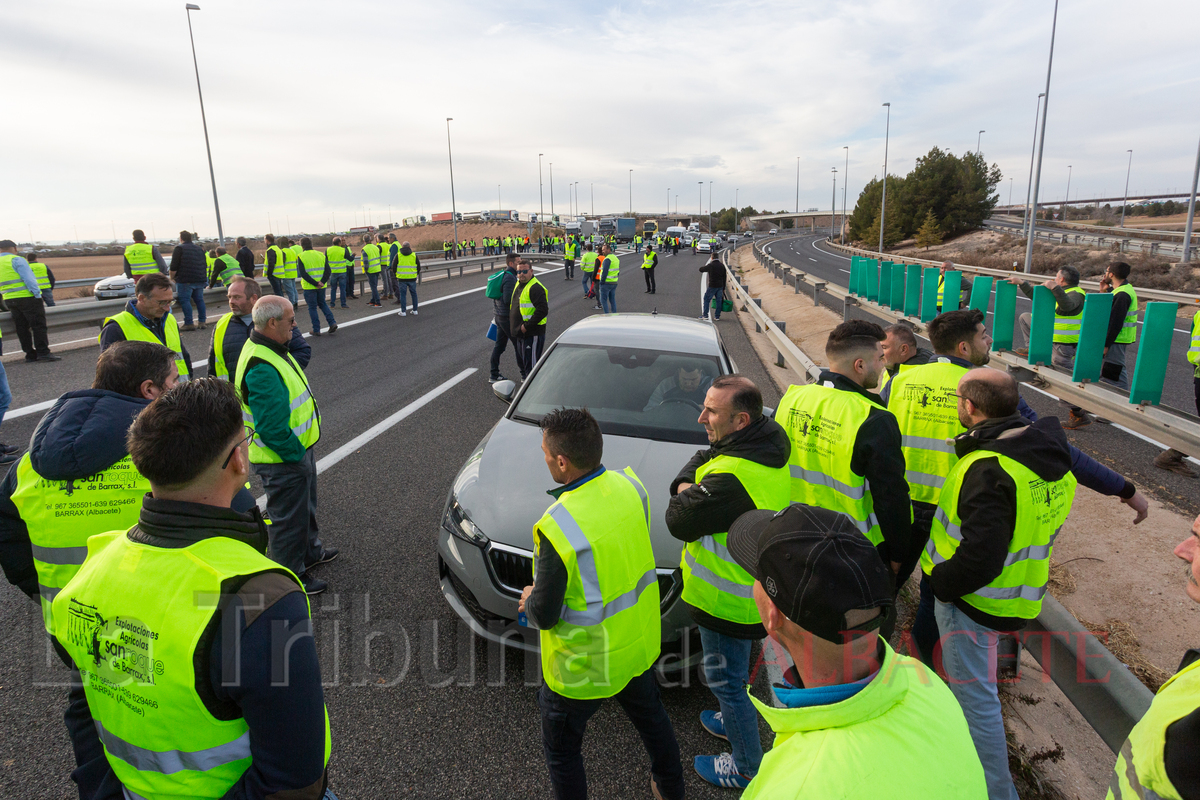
305	416
609	628
712	581
290	259
314	265
648	261
1193	353
61	515
135	331
941	289
1141	770
570	250
338	261
926	408
11	285
231	270
370	253
614	268
1066	328
406	267
588	262
1128	333
42	274
141	259
823	422
526	301
132	619
220	367
1042	507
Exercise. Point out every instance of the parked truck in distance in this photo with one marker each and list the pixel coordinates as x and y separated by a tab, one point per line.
362	229
500	215
623	228
412	222
447	216
649	229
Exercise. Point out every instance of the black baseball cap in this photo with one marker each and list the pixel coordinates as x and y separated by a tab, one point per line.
815	566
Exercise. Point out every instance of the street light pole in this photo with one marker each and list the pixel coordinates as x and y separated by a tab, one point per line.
631	193
700	205
551	188
710	229
735	211
1187	234
1068	200
845	185
1128	169
668	201
797	187
978	139
541	204
887	131
833	206
1025	229
1037	175
593	190
453	203
189	8
499	205
577	198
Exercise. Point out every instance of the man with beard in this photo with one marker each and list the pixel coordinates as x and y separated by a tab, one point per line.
686	384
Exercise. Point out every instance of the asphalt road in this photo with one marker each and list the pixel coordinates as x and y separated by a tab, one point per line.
1123	452
418	706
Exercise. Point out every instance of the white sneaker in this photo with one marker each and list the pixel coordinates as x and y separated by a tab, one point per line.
402	314
414	312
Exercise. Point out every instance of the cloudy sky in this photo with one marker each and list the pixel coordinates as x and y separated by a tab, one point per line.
319	111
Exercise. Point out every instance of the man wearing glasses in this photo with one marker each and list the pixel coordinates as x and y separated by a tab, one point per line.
527	317
279	406
148	318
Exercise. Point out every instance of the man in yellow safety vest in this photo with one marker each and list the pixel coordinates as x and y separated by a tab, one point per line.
595	601
141	258
148	318
745	468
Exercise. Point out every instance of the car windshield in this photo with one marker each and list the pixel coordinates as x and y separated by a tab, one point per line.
630	391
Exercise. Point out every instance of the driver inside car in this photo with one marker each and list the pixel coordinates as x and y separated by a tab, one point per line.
687	385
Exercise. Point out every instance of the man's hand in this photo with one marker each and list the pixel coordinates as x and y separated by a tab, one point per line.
1049	283
1138	503
683	487
1015	281
1106	283
528	590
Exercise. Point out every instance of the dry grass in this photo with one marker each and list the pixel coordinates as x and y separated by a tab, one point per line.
1118	637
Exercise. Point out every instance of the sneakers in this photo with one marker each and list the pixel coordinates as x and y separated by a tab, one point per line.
1074	420
333	328
203	326
720	771
401	314
9	449
498	377
316	586
316	333
188	327
49	357
712	722
414	311
327	554
1172	460
704	317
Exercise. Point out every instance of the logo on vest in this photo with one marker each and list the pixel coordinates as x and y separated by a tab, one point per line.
121	649
931	398
813	432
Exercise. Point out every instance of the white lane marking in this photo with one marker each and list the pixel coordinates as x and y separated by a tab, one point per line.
375	430
1141	436
33	409
844	270
810	258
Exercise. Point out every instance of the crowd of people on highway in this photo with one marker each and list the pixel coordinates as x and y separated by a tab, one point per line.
175	599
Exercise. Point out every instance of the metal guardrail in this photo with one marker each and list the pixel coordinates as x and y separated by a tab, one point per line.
83	315
1096	682
1124	244
1140	233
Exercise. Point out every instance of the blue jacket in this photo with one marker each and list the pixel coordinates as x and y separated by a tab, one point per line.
236	336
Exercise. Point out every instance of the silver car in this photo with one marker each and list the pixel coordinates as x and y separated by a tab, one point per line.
622	367
114	287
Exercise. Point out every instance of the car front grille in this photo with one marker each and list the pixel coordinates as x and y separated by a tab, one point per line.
513	571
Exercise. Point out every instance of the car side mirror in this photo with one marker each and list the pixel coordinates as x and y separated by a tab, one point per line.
504	390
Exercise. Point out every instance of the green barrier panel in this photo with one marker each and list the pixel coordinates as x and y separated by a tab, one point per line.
929	284
1041	330
872	279
1154	350
912	292
1089	353
1005	317
898	286
854	262
953	290
981	293
885	283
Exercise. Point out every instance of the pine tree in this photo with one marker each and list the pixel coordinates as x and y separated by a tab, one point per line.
891	235
929	234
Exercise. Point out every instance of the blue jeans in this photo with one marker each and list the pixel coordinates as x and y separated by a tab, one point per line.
587	279
315	298
402	292
969	659
608	298
713	293
565	719
5	392
289	288
337	281
727	671
192	293
48	296
373	277
276	285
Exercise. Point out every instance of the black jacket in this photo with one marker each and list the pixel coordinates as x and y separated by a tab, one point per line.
923	356
322	279
112	332
878	458
287	721
236	336
502	304
245	259
1116	317
987	506
716	274
711	506
188	264
541	307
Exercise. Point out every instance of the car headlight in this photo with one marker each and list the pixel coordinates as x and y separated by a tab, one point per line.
459	524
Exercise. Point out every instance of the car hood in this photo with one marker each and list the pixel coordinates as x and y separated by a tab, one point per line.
502	487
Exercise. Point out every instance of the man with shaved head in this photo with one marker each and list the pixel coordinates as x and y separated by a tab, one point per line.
988	556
